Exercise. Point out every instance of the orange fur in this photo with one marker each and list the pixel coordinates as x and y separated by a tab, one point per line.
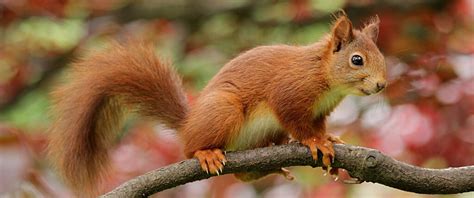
294	87
88	109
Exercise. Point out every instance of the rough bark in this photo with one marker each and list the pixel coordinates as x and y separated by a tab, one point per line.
365	164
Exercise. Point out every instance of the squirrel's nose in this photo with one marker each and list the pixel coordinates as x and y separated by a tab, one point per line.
381	85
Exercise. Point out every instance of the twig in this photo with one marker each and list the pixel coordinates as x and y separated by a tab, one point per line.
362	163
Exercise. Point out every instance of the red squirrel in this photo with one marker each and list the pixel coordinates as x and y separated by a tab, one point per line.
261	97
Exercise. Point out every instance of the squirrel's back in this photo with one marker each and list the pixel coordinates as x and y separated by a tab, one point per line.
256	70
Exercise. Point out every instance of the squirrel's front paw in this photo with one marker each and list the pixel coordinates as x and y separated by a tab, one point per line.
212	160
323	144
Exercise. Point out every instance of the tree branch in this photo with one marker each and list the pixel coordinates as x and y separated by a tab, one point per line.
362	163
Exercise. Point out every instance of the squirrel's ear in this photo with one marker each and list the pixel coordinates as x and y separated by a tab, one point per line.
341	32
372	28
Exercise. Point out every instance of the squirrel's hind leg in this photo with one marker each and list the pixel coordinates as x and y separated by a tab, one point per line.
211	160
215	118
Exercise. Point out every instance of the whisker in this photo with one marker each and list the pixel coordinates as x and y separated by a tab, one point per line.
368	80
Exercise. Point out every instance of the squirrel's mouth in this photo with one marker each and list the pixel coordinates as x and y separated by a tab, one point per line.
364	91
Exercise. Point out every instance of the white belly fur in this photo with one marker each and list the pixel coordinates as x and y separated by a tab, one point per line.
327	102
260	124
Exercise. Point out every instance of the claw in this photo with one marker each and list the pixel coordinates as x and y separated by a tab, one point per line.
211	161
352	181
334	171
324	144
286	173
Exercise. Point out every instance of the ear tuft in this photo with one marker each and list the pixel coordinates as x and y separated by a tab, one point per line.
371	29
339	13
341	31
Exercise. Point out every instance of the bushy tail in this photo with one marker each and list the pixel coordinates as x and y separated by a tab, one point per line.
88	110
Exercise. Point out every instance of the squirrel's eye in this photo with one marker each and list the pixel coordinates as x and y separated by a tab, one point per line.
357	60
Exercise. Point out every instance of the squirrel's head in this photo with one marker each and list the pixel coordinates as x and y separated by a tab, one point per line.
356	64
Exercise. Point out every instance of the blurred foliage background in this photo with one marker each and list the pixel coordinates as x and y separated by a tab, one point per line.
425	117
